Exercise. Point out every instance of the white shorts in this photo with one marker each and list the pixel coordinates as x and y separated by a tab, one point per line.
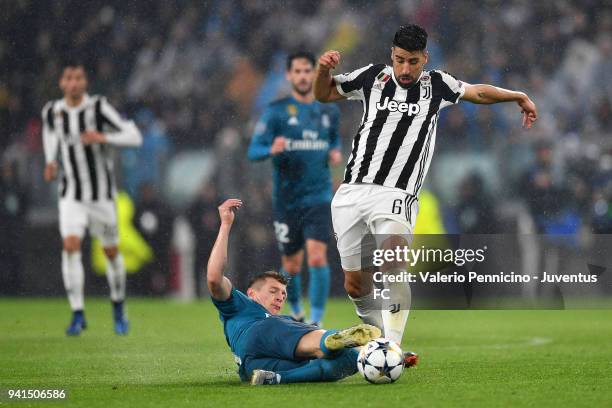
361	209
100	216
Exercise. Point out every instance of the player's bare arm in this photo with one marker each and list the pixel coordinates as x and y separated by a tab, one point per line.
92	137
324	86
125	134
50	147
128	136
488	94
220	287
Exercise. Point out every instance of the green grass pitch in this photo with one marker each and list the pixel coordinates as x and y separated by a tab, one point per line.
176	356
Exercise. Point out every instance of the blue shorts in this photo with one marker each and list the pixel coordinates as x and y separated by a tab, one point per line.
294	227
271	345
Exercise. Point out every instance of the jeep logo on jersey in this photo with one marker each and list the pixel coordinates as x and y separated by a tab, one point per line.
395	106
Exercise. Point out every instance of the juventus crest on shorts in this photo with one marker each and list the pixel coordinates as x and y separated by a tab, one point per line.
395	141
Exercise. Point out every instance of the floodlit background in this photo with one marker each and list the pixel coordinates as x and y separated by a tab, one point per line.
196	75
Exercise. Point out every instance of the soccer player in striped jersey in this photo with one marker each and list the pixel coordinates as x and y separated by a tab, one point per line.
390	157
78	131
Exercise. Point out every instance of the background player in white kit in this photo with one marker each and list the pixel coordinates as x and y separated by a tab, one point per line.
390	157
78	129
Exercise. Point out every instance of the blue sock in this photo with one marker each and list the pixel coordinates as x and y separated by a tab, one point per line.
342	365
294	292
318	291
328	353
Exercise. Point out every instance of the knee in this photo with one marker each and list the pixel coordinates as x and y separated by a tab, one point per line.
72	244
317	253
393	242
317	260
111	252
292	265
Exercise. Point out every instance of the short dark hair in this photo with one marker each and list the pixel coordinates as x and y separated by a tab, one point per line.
72	62
410	37
265	275
300	54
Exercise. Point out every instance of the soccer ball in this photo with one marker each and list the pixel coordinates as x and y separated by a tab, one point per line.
381	361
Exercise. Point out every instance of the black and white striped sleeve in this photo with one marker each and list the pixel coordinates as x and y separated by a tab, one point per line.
350	85
118	131
452	89
50	140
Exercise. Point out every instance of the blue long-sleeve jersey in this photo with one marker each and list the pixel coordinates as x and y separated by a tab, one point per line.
301	172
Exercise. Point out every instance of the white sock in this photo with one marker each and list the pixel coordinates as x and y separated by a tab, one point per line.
401	299
115	273
389	234
368	309
74	279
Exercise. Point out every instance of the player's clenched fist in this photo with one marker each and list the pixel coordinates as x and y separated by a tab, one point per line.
529	111
227	210
50	171
278	146
329	60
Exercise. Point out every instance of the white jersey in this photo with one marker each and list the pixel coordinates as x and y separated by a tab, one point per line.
87	170
395	141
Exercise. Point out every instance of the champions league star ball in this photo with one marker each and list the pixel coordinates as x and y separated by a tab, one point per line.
381	361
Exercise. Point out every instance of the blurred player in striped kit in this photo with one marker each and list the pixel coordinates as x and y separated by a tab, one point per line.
78	131
300	135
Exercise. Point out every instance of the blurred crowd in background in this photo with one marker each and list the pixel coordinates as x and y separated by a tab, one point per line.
196	75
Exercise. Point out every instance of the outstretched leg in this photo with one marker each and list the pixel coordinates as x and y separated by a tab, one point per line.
279	344
325	343
341	365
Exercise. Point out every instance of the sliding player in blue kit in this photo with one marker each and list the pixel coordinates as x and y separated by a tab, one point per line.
301	136
270	348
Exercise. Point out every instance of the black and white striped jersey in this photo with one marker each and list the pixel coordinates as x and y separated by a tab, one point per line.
395	141
86	170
